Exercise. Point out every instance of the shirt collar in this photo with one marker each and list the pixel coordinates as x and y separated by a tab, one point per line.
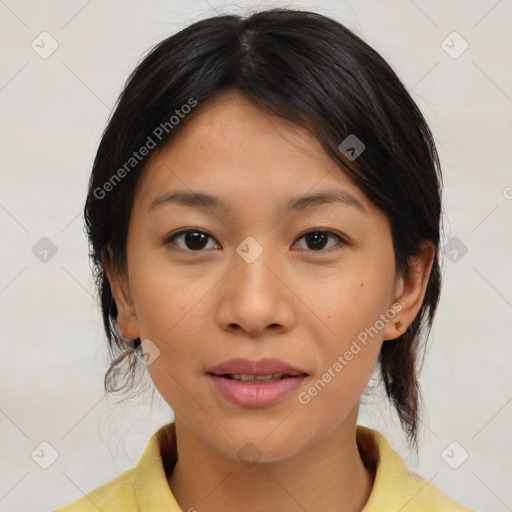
153	492
152	489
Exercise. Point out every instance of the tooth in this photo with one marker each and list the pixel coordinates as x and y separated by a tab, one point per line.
240	377
265	378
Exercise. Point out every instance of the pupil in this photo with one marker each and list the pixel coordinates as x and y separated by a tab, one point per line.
315	239
195	240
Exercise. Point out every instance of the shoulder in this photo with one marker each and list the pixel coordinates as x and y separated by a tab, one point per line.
421	495
113	496
395	487
143	487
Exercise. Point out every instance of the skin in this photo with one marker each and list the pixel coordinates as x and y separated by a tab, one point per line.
205	306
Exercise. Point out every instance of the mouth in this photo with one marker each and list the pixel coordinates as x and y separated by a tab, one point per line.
262	383
251	378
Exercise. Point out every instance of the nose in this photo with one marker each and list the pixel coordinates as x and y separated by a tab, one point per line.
255	297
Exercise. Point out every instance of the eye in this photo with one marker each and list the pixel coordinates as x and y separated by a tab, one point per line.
194	239
317	239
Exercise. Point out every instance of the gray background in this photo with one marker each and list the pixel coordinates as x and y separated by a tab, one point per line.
53	111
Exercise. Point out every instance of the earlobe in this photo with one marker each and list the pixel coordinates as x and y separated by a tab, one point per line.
410	291
126	319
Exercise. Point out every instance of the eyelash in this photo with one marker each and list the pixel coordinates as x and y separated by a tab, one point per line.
172	237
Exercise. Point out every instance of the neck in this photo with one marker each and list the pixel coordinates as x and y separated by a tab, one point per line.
328	476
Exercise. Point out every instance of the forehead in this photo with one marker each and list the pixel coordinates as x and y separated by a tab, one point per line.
232	148
231	122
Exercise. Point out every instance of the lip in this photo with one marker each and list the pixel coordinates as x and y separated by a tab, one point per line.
265	366
260	394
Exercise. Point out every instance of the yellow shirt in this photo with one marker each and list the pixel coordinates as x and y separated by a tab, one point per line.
145	488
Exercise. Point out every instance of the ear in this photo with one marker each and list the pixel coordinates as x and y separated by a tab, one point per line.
410	292
126	320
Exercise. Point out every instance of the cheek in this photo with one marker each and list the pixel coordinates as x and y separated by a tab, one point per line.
180	340
355	304
170	308
349	299
348	357
167	296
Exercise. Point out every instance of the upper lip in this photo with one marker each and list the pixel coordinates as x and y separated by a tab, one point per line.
266	366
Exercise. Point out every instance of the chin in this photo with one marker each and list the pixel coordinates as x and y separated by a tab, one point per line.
261	441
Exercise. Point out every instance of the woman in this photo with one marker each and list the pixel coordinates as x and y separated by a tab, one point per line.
264	218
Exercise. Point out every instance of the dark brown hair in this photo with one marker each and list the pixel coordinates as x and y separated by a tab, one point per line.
311	70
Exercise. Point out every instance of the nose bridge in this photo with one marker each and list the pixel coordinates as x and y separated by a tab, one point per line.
254	298
251	264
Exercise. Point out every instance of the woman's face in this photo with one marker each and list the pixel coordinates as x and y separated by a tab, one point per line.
252	284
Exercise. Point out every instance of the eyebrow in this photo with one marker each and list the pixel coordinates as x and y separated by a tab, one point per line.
208	201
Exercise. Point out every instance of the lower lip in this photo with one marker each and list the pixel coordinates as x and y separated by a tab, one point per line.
261	394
